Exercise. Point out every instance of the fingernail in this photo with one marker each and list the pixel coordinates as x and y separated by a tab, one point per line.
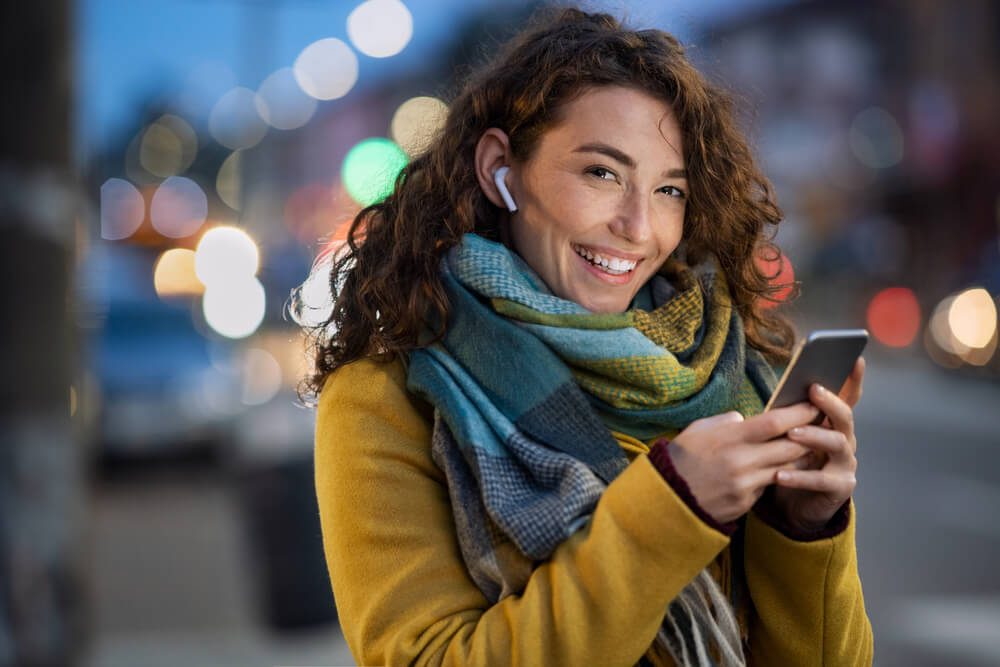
784	475
821	389
795	432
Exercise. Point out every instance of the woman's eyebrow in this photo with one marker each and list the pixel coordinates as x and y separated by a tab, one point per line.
623	158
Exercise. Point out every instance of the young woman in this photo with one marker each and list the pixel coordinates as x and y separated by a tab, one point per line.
539	438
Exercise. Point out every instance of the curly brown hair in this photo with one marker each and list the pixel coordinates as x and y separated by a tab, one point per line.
389	297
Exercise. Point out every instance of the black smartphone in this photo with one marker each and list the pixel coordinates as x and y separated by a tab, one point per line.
825	356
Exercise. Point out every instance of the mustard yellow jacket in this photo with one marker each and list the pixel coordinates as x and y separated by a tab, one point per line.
404	597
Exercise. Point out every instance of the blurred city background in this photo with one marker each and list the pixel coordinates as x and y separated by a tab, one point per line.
173	170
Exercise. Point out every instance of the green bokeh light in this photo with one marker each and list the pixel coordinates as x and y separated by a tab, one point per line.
370	169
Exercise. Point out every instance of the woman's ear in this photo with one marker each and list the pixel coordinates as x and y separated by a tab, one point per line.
492	153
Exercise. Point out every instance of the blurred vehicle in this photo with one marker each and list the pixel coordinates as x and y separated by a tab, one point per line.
162	386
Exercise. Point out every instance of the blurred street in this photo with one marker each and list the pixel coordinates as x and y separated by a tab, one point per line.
172	582
180	591
928	498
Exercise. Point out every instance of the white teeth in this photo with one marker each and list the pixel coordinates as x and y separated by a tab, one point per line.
610	264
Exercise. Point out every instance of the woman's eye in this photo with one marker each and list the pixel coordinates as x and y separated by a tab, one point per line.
672	191
602	173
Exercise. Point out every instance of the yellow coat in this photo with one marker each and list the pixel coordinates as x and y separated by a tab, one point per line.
404	597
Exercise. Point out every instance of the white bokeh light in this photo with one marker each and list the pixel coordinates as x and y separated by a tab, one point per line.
234	308
234	121
326	69
226	254
122	209
282	103
179	207
380	28
416	122
972	317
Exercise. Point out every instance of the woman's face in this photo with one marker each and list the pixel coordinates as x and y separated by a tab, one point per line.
601	199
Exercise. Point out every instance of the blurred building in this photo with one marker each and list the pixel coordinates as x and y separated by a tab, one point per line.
877	123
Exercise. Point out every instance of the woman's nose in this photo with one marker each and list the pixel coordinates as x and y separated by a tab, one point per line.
633	220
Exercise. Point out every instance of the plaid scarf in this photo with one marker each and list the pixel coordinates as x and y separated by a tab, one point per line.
528	387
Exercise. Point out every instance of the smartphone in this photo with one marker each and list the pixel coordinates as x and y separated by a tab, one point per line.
825	356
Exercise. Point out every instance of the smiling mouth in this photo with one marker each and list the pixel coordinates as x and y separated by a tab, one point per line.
614	266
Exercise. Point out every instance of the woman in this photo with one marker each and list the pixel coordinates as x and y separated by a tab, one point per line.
538	438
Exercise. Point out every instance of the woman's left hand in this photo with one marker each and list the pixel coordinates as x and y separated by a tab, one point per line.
810	496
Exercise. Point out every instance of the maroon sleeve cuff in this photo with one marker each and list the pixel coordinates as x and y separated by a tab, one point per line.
659	456
772	516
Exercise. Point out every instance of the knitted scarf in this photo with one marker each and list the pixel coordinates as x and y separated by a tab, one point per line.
527	389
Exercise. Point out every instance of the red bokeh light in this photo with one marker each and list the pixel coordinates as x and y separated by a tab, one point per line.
894	316
780	272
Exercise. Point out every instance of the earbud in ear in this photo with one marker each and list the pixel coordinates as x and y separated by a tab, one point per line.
498	177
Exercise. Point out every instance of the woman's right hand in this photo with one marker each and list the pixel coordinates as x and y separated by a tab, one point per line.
728	461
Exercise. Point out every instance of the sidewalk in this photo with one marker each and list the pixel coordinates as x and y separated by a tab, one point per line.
171	581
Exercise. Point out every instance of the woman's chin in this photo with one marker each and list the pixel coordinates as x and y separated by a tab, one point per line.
601	303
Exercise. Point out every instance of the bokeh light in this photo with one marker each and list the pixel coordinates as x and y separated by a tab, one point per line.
174	274
940	356
179	207
282	103
370	169
781	273
234	121
168	146
326	69
380	28
980	356
261	376
876	138
972	318
964	328
226	254
894	317
122	209
234	308
940	329
416	122
229	181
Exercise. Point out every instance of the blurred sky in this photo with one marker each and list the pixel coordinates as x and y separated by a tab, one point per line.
129	50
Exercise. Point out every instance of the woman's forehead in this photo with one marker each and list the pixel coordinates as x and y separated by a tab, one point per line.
629	121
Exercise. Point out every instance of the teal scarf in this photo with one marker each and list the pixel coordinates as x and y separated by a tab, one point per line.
528	387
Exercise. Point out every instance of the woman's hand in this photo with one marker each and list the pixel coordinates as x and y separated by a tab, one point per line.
728	462
808	495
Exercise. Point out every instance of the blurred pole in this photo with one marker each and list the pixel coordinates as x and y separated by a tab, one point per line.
41	474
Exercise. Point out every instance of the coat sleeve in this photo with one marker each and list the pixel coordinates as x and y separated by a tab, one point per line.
809	608
402	591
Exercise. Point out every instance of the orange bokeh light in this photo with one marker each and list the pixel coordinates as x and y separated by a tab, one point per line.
894	316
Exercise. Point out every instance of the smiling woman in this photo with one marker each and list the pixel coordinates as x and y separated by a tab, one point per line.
539	437
601	198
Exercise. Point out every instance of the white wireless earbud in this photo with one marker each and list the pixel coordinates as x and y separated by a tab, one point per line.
498	177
